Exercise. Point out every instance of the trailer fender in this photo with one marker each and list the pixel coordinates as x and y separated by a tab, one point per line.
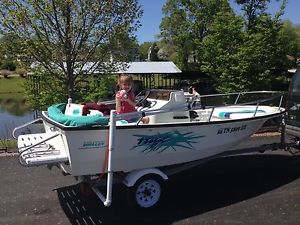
133	176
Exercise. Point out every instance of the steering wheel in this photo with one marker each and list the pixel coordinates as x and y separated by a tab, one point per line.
141	99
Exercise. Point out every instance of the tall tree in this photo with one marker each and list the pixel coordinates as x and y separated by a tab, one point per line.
221	56
263	50
245	53
187	22
63	36
252	10
291	37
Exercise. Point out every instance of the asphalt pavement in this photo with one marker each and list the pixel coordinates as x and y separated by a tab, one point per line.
244	188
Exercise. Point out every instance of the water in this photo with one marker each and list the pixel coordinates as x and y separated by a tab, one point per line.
9	122
13	113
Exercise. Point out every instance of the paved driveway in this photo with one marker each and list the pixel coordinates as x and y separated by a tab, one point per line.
242	189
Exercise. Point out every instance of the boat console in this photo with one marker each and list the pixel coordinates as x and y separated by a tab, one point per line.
173	102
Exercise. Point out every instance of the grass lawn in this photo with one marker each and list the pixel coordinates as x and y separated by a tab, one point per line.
8	144
11	84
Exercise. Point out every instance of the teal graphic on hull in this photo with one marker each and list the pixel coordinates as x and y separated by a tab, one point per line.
161	142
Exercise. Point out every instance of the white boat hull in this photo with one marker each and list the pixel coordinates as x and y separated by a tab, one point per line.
144	146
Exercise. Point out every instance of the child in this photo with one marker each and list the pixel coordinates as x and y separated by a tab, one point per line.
125	97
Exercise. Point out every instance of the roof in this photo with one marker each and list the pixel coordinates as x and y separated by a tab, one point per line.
150	67
292	70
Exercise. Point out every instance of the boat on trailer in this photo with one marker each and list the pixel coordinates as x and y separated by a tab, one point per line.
184	130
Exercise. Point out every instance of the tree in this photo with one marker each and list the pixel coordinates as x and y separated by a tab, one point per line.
63	36
186	23
153	51
264	49
237	53
242	57
220	54
10	50
144	49
252	9
291	37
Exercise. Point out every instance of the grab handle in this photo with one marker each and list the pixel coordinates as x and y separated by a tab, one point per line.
24	125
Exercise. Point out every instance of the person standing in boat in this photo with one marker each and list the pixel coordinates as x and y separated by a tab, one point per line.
125	99
196	95
192	90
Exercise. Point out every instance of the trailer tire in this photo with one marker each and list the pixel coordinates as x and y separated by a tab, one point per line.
146	192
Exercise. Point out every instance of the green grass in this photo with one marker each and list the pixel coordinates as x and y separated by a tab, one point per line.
12	95
7	144
11	85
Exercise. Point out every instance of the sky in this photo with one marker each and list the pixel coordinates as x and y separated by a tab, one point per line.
152	16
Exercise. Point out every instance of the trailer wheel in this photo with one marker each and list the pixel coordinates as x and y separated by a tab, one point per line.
146	192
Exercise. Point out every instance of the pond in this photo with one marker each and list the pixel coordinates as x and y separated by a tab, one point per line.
13	112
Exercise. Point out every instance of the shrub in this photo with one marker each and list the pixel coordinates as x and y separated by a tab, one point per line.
8	65
99	88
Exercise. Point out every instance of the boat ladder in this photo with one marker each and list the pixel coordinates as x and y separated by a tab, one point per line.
35	151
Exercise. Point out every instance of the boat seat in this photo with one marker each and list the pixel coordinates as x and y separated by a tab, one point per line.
176	102
73	109
58	113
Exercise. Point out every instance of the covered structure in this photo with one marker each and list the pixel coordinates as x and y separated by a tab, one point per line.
148	74
150	67
154	74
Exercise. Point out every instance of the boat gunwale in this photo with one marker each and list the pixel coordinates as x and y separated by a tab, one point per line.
256	103
143	126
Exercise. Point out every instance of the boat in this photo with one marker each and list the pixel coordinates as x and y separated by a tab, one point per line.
184	130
